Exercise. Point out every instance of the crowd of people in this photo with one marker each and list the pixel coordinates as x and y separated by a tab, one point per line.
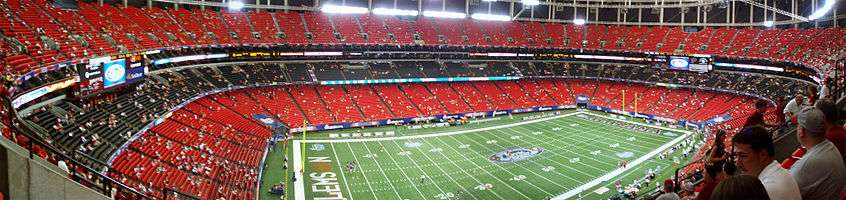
748	169
624	125
152	97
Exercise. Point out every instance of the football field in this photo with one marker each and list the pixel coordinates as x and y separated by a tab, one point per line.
575	154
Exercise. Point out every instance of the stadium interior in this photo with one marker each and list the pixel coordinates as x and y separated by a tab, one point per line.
162	99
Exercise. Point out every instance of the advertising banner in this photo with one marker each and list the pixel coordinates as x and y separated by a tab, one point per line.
267	120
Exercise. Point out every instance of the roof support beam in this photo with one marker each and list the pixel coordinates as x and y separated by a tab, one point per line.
776	10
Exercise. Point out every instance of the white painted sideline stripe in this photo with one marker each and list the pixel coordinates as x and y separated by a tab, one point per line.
619	171
444	133
298	165
299	187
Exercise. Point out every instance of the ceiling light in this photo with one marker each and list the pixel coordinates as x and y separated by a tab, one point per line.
579	21
388	11
440	14
490	17
235	5
768	24
329	8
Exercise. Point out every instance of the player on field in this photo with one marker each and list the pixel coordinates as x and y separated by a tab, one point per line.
350	167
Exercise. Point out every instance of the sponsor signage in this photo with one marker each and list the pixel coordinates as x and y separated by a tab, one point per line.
418	80
267	120
39	92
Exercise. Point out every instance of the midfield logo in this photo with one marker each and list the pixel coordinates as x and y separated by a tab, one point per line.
514	155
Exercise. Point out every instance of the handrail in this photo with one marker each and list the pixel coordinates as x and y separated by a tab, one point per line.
36	71
105	182
676	179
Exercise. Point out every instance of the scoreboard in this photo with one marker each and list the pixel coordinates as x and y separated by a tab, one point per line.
695	62
108	72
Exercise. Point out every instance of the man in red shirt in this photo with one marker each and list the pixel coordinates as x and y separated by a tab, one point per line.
757	118
835	133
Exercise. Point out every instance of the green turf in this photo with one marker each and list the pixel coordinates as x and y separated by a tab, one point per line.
457	166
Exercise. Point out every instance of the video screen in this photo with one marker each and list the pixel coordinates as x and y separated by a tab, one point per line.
114	73
680	63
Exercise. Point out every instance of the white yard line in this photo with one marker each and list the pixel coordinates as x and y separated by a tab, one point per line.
638	123
298	165
606	132
506	170
447	133
647	136
553	160
532	161
403	171
439	168
341	167
480	167
390	182
362	174
623	176
635	163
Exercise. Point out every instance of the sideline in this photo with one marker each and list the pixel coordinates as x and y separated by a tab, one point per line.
299	187
634	164
443	133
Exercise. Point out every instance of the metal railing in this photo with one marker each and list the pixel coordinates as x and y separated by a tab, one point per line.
82	173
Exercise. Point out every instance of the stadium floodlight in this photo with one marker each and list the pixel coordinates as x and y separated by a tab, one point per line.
531	2
490	17
440	14
769	24
329	8
579	21
399	12
235	5
829	4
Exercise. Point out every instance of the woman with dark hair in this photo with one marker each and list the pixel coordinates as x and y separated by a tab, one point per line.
713	170
740	187
812	95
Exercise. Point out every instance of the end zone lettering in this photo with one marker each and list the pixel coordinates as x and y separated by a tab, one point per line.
325	182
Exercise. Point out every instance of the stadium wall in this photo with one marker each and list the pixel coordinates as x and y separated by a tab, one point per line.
29	177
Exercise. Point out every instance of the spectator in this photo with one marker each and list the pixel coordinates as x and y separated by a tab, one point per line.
835	133
793	107
753	150
781	105
669	194
757	118
740	187
64	167
811	93
824	89
712	179
820	173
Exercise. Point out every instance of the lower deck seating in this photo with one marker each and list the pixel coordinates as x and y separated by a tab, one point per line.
212	147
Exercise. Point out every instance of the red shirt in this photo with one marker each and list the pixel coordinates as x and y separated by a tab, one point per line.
755	119
706	189
837	135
